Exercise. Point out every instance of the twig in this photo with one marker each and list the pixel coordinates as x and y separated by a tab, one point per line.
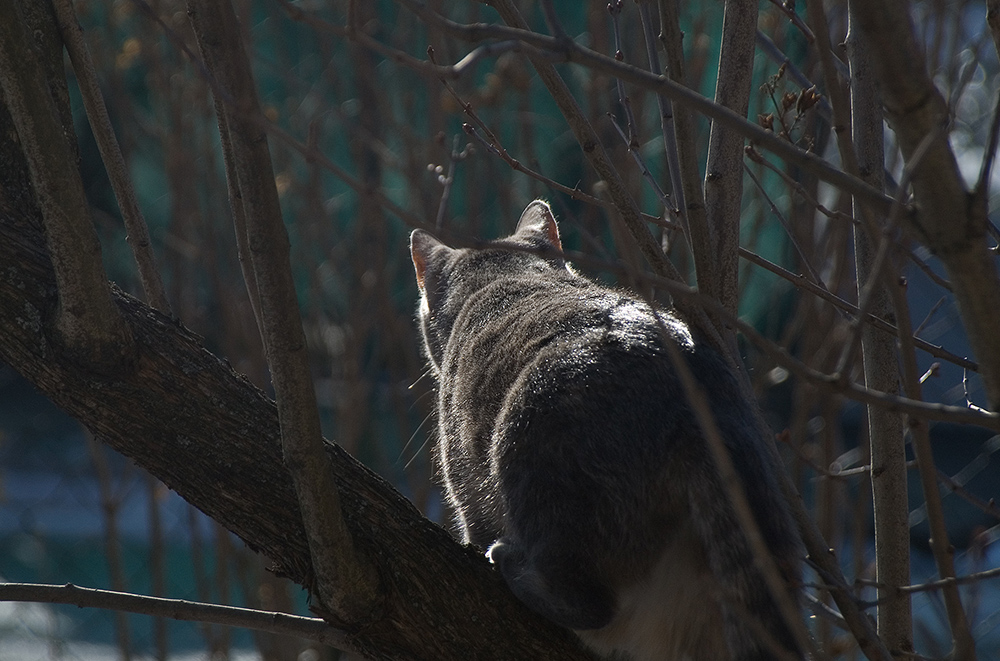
572	52
940	583
689	170
756	157
929	316
666	110
615	10
312	628
633	150
877	322
788	230
788	9
446	180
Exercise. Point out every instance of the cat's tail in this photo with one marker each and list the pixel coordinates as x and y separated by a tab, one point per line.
553	587
753	621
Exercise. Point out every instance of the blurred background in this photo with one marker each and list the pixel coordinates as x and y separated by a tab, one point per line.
359	127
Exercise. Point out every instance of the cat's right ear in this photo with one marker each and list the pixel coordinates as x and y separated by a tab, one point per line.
422	247
538	221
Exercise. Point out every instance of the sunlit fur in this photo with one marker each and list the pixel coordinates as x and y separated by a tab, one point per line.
567	449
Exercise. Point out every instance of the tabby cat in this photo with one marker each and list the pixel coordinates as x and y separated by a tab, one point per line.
568	449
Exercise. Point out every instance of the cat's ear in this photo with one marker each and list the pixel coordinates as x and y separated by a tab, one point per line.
422	248
537	221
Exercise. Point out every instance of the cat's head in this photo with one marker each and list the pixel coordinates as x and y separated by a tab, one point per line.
447	276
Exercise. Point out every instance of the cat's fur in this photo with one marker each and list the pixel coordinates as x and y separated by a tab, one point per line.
568	449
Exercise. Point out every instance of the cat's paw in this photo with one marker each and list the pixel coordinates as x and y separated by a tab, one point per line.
553	590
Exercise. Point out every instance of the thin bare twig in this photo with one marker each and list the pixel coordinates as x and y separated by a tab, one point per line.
788	9
940	583
665	107
689	172
877	322
312	628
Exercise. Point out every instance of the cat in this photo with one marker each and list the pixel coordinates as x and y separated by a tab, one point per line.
567	448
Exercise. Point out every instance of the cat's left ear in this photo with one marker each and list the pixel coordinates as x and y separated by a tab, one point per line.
537	222
423	247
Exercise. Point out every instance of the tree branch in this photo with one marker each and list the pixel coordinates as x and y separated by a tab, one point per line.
345	581
312	628
946	221
881	372
87	322
724	169
137	233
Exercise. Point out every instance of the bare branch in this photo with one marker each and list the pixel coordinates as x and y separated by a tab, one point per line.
347	583
312	628
689	172
885	430
570	51
946	222
97	113
940	583
87	320
724	169
881	324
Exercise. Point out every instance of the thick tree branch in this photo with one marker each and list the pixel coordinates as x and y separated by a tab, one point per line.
211	436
